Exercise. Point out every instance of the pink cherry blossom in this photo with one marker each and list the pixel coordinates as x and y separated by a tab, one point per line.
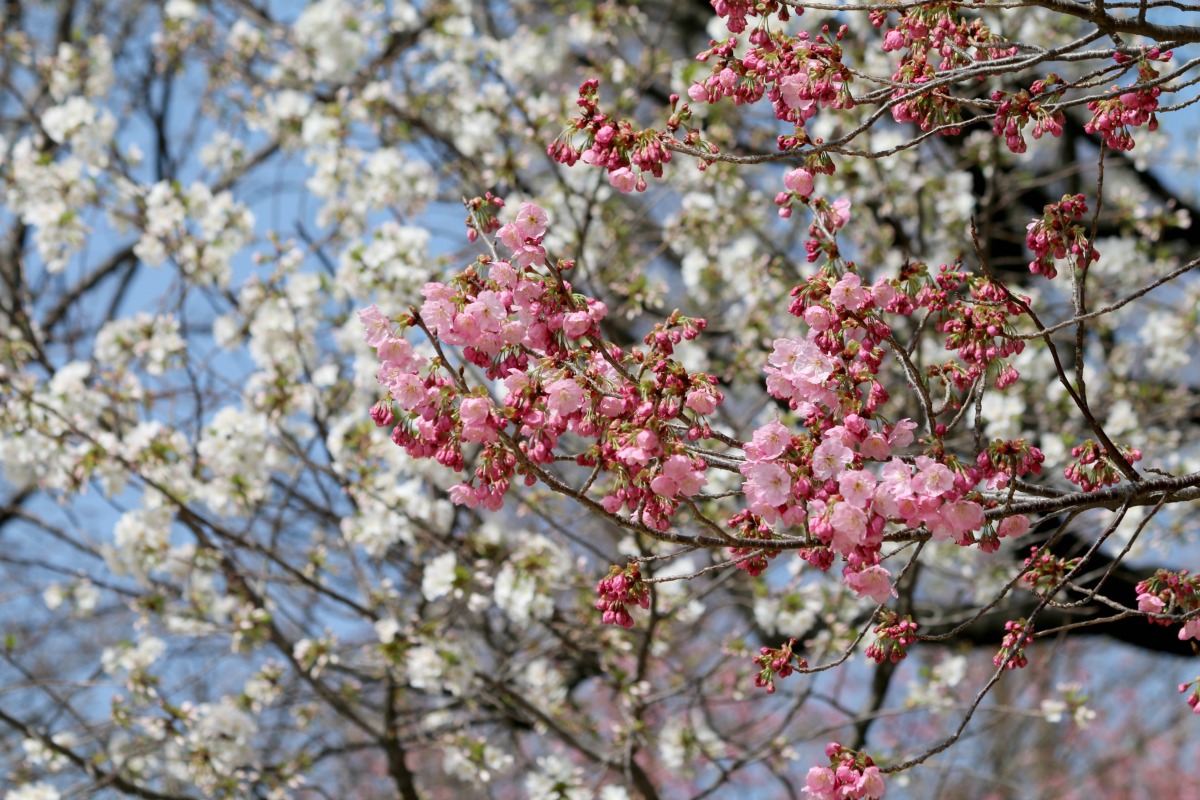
564	397
830	459
874	582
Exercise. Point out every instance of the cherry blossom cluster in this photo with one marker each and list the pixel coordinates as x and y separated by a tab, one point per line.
776	662
1056	233
1113	116
736	12
980	331
1015	112
936	39
1169	592
481	216
1018	636
893	635
1045	571
798	73
1094	467
528	329
850	774
1014	457
621	588
613	144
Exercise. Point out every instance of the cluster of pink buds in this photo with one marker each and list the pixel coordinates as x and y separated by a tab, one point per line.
850	774
735	12
893	635
1012	648
1169	592
979	332
776	662
614	144
1113	116
1094	468
1193	700
1015	112
937	40
1046	571
751	560
622	587
481	215
798	73
1003	460
1056	234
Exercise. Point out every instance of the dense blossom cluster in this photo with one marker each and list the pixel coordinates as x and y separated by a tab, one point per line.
1015	111
850	774
1057	234
1018	636
893	635
1133	107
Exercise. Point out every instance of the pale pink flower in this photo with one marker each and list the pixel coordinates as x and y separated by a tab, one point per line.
820	783
963	516
818	318
678	476
769	441
849	527
378	328
902	434
531	221
875	447
857	486
841	210
623	180
576	324
398	351
848	292
701	402
1190	629
769	484
874	582
408	391
1013	526
564	397
830	459
1150	604
799	181
870	785
934	480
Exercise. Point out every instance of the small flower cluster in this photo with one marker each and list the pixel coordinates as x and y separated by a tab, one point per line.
735	12
893	635
930	32
797	73
980	331
1015	112
622	587
614	144
1019	635
1094	468
1045	571
1013	458
776	662
527	328
1113	116
1169	592
1056	234
850	774
481	215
